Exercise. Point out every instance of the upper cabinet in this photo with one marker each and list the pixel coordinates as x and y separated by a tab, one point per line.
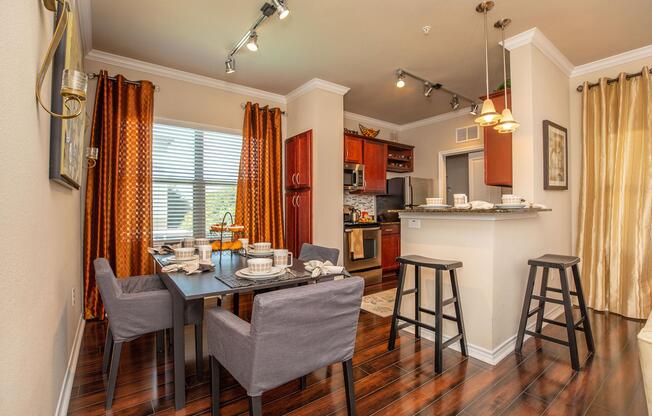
498	148
375	166
353	149
298	161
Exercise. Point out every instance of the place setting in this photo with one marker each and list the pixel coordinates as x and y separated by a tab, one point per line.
192	256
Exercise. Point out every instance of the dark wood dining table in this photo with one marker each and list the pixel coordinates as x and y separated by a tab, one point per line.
184	288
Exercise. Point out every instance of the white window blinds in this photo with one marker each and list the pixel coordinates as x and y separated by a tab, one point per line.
195	175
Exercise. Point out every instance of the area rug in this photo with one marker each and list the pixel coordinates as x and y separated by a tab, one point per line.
381	303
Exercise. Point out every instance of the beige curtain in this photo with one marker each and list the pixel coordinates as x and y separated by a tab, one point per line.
615	220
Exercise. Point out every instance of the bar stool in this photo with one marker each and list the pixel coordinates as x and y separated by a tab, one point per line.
560	263
439	266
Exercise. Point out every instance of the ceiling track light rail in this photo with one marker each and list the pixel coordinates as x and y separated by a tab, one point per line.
250	39
429	87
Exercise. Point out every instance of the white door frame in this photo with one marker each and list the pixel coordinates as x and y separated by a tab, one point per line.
442	164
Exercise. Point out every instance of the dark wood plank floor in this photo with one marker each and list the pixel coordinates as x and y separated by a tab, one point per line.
401	382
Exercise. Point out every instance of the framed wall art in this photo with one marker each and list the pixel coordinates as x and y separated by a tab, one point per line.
555	156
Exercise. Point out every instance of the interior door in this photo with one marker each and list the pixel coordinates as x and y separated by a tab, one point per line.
457	176
375	166
478	190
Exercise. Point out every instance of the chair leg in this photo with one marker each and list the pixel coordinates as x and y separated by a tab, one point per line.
526	309
588	334
160	341
417	301
439	310
236	304
397	308
570	324
347	366
199	351
215	386
255	406
170	339
113	374
542	303
458	312
303	382
108	348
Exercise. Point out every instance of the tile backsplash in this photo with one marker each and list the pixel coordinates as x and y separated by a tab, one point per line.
361	202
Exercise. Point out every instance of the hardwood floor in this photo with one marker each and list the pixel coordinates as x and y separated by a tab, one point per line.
401	382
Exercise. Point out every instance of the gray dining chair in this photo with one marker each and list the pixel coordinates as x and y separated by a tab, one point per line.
313	252
136	306
292	333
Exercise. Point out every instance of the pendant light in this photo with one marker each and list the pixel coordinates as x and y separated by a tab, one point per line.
507	123
488	116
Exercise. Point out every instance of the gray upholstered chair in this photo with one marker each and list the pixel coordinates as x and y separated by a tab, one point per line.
137	306
312	252
292	333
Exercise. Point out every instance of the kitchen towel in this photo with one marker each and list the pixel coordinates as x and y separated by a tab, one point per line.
356	246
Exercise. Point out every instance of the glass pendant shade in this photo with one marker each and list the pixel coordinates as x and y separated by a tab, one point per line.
488	116
507	123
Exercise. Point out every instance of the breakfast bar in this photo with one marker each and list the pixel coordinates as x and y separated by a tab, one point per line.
494	246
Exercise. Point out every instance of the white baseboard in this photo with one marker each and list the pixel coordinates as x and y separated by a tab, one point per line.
496	355
69	377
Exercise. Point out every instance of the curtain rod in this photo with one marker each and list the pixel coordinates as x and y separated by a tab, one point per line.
580	88
244	105
94	75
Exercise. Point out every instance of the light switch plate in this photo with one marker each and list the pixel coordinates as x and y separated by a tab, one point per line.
412	223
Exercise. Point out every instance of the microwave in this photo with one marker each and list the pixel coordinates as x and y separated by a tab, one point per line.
353	176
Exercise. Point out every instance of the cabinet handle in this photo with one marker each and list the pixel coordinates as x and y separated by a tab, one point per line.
298	173
294	201
298	201
294	179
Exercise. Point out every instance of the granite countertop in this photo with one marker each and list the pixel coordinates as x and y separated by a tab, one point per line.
475	211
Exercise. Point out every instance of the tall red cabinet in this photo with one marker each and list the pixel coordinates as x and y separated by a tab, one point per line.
298	191
498	148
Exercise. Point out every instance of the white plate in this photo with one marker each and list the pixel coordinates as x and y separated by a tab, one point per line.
276	271
511	205
443	206
175	260
260	253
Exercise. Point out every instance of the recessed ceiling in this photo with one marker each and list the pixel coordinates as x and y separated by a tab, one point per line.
361	43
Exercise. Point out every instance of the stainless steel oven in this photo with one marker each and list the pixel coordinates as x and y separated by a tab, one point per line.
369	266
353	176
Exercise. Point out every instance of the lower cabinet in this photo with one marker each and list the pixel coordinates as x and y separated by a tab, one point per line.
298	219
391	247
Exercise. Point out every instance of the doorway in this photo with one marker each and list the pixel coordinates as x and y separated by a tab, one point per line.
461	171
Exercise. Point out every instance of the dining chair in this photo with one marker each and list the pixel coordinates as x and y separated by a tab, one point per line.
136	306
313	252
292	333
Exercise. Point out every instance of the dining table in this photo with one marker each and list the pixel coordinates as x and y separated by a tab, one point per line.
220	281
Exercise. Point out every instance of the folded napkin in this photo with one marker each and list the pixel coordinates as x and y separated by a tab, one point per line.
318	268
164	249
538	206
481	205
462	206
190	267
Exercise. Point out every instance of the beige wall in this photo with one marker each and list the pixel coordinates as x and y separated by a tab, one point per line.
575	131
322	111
40	223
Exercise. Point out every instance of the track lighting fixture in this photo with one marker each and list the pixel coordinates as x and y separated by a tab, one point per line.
474	109
282	11
230	65
507	123
455	102
400	79
488	115
427	89
252	44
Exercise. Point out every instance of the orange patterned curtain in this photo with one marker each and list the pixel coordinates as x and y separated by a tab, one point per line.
260	193
117	221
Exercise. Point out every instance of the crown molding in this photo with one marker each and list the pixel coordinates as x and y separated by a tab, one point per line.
316	83
373	121
535	37
163	71
621	58
436	119
85	18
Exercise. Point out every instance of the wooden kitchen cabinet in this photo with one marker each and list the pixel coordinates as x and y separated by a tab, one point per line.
375	166
298	219
353	147
390	247
498	148
298	161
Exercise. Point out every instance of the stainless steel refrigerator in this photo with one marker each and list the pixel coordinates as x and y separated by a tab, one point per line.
404	192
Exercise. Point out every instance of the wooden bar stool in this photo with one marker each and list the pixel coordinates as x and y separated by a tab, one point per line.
560	263
439	266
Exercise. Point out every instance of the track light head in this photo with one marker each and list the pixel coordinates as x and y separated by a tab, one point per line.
474	109
252	43
427	89
400	81
230	65
282	11
455	102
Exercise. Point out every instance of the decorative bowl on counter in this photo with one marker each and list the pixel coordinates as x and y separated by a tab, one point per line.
368	132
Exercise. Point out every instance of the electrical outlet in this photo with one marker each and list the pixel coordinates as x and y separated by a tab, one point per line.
413	223
74	296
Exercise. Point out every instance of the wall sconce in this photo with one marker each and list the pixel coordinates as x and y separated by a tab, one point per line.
73	83
92	154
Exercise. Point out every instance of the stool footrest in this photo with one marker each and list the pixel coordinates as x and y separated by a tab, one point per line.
428	311
553	322
453	340
554	289
580	322
449	317
449	301
409	291
547	338
547	299
533	311
413	322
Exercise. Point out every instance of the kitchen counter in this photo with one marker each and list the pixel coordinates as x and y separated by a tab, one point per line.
475	211
494	247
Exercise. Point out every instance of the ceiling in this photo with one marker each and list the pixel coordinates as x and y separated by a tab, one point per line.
359	44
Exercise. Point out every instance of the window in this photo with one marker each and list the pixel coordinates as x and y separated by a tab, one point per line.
195	175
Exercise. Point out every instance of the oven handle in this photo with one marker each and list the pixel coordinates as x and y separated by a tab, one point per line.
348	230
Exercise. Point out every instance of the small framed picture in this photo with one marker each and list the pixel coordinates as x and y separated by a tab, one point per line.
555	156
